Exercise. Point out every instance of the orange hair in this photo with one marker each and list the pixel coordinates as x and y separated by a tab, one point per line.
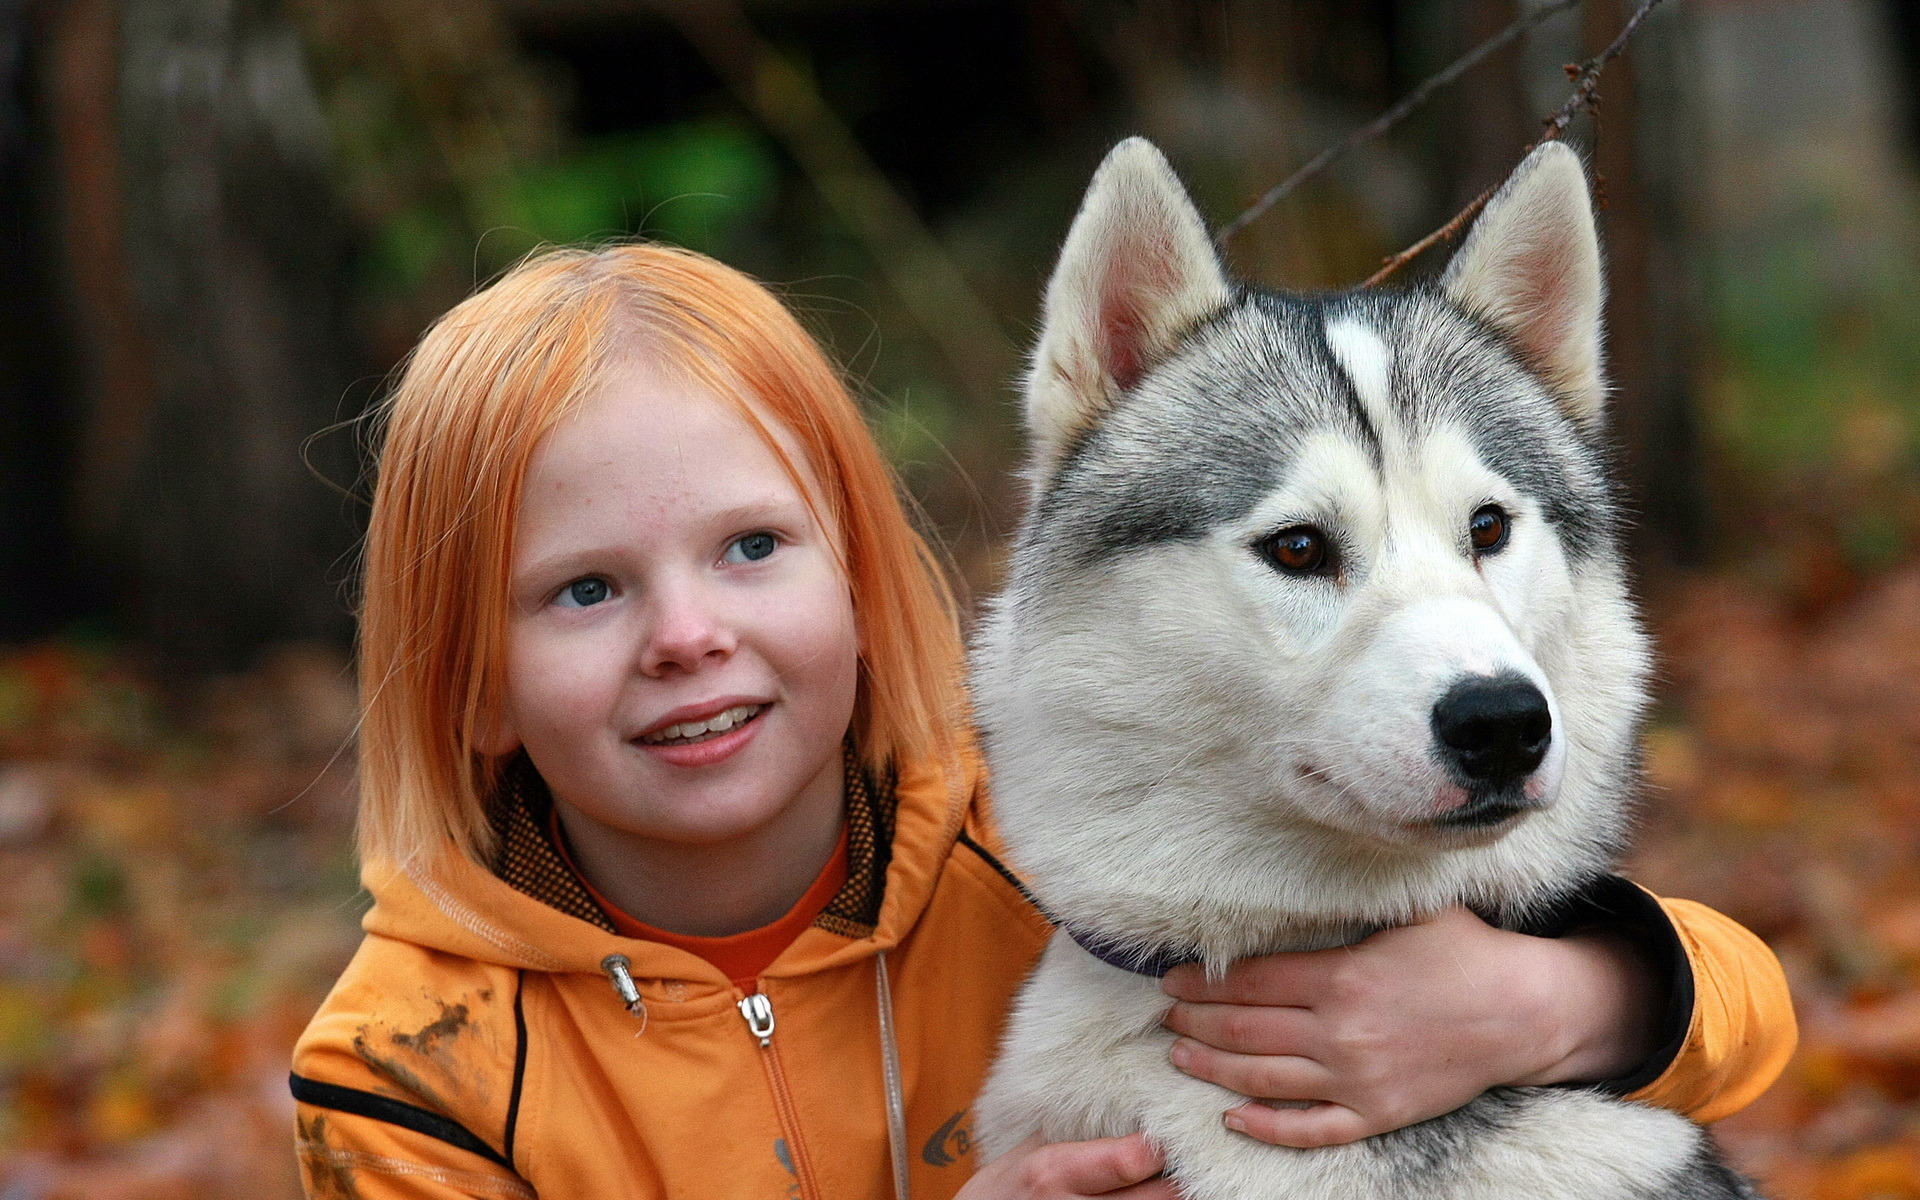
488	380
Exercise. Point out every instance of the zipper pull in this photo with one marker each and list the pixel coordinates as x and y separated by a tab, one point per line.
619	969
758	1010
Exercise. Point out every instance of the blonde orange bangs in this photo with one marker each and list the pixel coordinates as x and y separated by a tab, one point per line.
483	386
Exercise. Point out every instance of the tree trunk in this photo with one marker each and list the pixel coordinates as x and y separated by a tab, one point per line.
39	592
229	349
1651	413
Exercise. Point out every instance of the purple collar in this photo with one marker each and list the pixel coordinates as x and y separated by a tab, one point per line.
1154	964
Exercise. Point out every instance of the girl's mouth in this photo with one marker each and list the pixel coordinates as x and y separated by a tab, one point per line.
689	733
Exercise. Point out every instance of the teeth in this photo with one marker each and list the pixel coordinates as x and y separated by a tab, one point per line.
718	723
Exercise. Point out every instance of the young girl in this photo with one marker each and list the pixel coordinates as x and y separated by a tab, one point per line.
684	872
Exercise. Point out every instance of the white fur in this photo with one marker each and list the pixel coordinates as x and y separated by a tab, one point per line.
1191	749
1368	364
1094	1064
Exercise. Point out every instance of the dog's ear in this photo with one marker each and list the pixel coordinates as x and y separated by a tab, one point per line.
1138	270
1531	266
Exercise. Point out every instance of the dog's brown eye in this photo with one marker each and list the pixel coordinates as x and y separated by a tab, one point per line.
1487	528
1297	550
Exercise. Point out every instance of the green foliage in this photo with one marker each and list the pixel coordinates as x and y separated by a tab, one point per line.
99	887
917	431
694	184
405	250
1818	357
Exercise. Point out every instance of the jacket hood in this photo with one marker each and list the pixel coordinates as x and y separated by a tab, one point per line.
457	906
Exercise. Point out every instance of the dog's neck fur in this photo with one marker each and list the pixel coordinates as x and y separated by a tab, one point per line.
1154	963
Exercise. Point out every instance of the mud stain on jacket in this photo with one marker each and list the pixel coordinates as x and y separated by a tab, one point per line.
412	1088
427	1063
451	1022
328	1176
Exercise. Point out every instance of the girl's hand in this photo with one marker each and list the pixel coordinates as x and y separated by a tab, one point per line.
1410	1024
1127	1168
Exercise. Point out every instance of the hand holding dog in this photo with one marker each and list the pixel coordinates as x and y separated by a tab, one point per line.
1125	1168
1410	1024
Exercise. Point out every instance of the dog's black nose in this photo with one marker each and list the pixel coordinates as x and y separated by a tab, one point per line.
1494	729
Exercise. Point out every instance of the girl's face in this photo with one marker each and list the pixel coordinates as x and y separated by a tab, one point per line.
682	652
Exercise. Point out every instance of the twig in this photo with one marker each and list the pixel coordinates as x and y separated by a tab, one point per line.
1388	119
1445	233
1586	95
1587	75
921	271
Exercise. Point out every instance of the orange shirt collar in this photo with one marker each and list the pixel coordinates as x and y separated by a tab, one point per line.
741	957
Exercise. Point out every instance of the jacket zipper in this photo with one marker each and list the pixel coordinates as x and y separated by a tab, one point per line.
757	1009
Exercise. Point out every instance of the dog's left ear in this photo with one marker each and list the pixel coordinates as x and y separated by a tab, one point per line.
1138	271
1531	266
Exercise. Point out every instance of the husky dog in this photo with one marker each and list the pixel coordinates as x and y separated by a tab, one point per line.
1316	623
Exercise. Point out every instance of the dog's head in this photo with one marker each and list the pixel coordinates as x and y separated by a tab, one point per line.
1317	610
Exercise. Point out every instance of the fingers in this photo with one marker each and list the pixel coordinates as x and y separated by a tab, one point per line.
1306	977
1152	1189
1097	1167
1273	979
1264	1076
1247	1029
1123	1167
1301	1128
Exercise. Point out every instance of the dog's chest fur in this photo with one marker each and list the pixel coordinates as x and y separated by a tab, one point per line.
1093	1063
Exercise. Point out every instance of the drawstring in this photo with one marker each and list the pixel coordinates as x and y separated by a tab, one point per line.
890	1069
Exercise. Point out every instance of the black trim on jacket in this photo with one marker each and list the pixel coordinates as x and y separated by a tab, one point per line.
519	1060
987	856
393	1112
1615	905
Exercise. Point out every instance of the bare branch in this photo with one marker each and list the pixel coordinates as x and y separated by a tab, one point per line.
1586	90
1388	119
922	273
1446	233
1586	96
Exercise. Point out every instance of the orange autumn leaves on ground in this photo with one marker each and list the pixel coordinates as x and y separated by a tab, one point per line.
178	892
177	895
1785	766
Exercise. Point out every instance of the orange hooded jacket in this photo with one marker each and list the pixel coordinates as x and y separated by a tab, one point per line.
481	1044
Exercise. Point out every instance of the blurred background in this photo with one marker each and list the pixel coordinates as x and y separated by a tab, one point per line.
225	222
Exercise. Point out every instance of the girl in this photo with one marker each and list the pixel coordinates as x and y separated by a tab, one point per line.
684	874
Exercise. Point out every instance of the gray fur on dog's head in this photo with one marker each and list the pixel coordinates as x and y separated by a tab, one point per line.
1190	747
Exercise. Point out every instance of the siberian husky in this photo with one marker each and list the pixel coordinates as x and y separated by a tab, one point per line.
1316	622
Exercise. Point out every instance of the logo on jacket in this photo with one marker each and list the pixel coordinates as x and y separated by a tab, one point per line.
785	1157
951	1142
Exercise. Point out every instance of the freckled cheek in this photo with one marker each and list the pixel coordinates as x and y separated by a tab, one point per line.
560	683
817	644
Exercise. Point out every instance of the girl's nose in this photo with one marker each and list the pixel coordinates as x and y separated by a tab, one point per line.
688	633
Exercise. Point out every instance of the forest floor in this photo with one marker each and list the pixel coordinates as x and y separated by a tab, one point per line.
179	891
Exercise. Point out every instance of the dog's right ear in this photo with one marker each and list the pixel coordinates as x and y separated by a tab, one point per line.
1137	272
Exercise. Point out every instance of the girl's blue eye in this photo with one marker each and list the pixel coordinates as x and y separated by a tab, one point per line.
583	593
752	548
